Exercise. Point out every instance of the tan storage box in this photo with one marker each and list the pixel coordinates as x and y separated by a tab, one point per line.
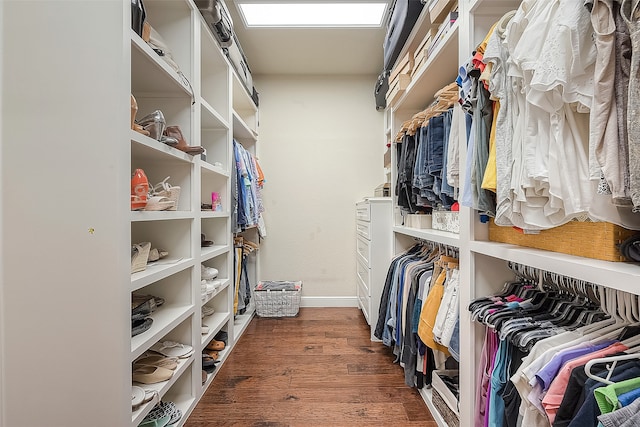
439	8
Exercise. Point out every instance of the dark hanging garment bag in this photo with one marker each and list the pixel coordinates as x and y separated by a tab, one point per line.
380	91
403	17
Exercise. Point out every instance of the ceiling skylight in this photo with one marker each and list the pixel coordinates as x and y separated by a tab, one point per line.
304	14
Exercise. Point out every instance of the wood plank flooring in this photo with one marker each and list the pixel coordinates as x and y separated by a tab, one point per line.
317	369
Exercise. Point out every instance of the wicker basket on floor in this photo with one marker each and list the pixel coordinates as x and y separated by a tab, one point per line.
588	239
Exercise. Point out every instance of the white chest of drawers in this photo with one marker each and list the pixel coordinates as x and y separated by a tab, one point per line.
373	253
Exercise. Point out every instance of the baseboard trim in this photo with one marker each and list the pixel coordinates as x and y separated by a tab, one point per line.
329	302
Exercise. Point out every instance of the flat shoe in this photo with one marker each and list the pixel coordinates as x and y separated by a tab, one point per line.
172	349
215	345
151	374
157	360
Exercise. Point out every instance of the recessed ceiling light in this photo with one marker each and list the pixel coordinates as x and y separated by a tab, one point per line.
289	14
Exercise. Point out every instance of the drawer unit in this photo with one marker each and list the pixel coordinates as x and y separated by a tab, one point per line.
373	254
362	228
363	250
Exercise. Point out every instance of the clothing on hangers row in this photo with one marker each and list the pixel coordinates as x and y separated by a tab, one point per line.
247	191
418	313
541	331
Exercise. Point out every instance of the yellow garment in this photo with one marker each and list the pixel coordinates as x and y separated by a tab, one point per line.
432	304
489	181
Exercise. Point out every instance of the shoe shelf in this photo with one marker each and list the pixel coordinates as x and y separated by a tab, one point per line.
241	321
210	118
151	74
182	394
137	216
241	130
213	169
621	276
213	251
159	270
215	322
213	214
426	81
214	75
215	293
222	358
161	389
165	319
444	237
148	148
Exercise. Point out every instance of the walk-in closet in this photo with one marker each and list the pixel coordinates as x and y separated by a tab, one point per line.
319	213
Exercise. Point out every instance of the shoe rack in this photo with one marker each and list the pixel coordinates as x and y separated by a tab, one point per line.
211	107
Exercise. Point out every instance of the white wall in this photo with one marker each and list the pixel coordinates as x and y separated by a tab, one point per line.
321	148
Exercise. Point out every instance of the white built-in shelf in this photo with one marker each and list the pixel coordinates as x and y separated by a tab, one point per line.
617	275
213	251
218	170
165	318
444	237
440	69
138	216
241	321
493	6
222	357
241	130
151	74
215	293
215	322
185	404
426	394
213	214
158	271
161	389
148	148
242	102
210	118
417	34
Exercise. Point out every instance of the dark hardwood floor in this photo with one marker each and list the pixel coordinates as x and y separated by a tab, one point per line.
317	369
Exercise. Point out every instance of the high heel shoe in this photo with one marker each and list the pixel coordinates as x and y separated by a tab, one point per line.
134	111
139	190
154	123
176	132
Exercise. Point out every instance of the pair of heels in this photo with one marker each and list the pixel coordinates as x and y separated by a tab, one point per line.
162	196
155	126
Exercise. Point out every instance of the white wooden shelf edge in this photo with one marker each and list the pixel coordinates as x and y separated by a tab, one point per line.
217	291
185	405
426	394
164	320
208	167
241	322
213	251
223	355
139	216
158	146
160	388
215	322
618	275
159	270
241	99
436	236
223	123
242	131
213	214
143	47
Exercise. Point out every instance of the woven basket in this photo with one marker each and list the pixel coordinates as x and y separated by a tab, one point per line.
448	415
596	240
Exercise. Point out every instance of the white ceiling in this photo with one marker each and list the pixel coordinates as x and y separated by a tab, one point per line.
310	50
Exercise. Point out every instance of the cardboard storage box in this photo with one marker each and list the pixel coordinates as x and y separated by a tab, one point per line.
439	8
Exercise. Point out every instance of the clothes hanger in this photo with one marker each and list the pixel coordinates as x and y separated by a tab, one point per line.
610	368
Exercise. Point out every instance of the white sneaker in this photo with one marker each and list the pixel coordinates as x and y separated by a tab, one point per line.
207	273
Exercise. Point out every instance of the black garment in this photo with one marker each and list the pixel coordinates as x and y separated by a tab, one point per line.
406	162
509	393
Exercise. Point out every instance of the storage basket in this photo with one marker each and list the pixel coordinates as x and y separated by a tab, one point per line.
448	415
446	221
278	298
588	239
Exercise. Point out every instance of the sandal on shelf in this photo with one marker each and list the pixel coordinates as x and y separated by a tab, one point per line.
154	123
176	132
172	349
169	191
208	273
139	256
159	203
139	190
151	374
134	111
155	254
157	360
204	243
